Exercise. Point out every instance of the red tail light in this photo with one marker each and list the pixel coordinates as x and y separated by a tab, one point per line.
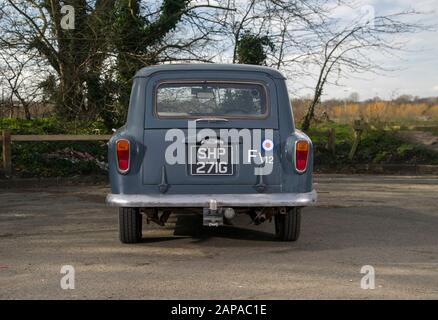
301	155
122	147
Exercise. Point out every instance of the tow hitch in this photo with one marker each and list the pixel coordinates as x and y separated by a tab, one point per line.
213	216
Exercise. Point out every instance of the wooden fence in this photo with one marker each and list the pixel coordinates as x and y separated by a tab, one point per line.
7	138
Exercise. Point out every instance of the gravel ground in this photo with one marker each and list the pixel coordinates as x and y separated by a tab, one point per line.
388	222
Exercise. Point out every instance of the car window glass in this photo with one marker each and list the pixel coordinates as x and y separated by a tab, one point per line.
210	99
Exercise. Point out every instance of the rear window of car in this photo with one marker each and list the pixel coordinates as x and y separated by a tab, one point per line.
210	99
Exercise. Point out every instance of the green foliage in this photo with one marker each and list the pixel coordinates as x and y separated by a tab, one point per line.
133	37
375	147
82	86
49	88
252	49
34	126
171	13
52	126
51	159
128	36
57	159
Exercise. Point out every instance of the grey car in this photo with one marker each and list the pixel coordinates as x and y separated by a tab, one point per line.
212	139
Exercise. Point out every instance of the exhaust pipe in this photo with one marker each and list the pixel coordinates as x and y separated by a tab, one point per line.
229	213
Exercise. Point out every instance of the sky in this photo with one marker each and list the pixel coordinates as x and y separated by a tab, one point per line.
417	69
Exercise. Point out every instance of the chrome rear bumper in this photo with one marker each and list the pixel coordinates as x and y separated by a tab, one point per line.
203	200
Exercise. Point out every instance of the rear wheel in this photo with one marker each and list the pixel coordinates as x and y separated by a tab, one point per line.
287	226
130	225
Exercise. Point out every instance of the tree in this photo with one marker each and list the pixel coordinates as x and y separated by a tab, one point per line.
404	98
251	49
93	64
75	55
19	86
348	50
134	35
353	97
111	39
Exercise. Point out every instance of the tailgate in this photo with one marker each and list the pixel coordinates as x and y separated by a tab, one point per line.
241	173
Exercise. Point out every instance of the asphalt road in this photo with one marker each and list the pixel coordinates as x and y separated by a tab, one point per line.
390	223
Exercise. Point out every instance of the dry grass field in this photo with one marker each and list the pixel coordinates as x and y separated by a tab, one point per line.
391	112
383	112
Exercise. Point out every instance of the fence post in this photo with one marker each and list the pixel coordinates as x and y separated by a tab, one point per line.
358	126
6	144
331	140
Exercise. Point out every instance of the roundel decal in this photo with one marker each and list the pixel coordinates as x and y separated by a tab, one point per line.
268	145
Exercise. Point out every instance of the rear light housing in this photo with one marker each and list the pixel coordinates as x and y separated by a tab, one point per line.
122	152
301	155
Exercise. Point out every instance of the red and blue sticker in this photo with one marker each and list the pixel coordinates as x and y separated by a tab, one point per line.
268	145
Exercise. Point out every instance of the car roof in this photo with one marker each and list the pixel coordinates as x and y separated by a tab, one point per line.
147	71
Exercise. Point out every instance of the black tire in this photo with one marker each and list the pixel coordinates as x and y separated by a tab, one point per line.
287	226
130	225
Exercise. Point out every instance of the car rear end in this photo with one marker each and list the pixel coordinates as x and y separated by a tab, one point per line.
214	141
